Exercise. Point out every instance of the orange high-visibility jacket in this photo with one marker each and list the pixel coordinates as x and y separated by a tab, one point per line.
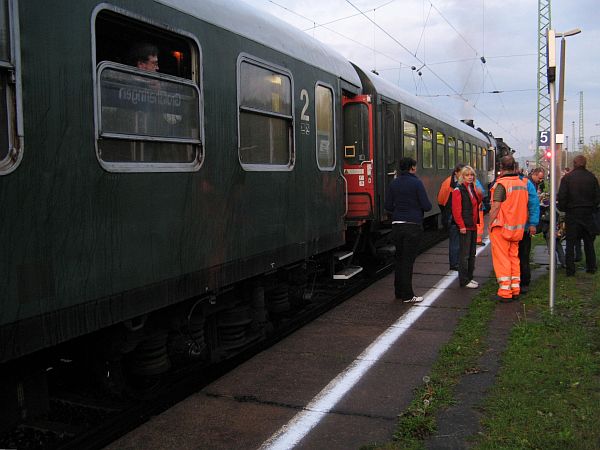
512	215
445	191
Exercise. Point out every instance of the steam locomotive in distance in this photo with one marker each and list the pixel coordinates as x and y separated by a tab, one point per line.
150	218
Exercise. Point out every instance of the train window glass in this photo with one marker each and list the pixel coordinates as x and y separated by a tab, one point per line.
476	156
325	127
149	116
356	133
265	120
440	150
484	159
4	32
467	153
427	148
389	136
410	140
10	153
451	151
480	158
460	152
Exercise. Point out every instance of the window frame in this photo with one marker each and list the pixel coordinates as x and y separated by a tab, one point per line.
430	147
14	93
452	145
460	151
259	62
333	129
439	134
414	136
195	81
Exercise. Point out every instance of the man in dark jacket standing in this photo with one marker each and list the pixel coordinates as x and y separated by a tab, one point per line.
578	198
406	200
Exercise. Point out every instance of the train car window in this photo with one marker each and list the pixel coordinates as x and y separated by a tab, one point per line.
4	32
10	147
356	133
427	148
265	117
467	153
460	152
148	110
325	127
440	150
410	140
476	156
484	159
451	151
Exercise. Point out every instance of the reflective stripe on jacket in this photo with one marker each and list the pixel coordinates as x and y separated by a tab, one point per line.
512	215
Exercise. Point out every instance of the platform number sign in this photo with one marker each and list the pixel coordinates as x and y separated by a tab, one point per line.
544	139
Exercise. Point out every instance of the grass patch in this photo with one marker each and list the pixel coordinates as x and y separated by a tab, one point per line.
548	391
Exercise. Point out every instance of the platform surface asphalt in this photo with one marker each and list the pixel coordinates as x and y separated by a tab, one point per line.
258	402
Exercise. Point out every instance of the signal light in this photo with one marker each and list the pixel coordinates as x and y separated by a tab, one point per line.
548	154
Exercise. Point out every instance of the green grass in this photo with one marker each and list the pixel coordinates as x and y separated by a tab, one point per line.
547	395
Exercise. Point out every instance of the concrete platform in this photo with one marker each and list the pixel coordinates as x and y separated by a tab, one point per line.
247	406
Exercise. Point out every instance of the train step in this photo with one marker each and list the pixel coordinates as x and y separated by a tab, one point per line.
339	256
387	250
347	273
383	232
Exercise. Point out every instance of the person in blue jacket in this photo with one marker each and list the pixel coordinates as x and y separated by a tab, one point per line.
407	201
533	206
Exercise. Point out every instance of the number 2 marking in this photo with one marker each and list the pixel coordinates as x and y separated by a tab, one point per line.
304	96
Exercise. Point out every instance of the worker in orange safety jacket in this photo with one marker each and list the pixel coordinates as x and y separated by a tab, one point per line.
480	224
508	217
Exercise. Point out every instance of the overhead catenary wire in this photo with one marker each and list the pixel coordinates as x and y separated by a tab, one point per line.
424	65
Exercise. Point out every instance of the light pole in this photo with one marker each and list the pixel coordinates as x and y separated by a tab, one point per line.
561	93
556	130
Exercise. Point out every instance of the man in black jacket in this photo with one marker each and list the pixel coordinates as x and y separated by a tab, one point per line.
578	197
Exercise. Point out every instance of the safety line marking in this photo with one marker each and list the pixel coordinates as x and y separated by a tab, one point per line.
300	425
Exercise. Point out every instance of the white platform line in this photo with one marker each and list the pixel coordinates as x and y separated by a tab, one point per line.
300	425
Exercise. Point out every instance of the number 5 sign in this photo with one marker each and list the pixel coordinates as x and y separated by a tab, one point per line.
544	139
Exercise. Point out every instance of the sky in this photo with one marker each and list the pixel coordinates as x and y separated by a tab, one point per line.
445	40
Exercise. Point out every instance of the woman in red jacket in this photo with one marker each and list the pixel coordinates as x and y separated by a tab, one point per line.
465	211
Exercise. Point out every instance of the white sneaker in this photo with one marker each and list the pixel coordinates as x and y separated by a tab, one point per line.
415	299
472	285
473	281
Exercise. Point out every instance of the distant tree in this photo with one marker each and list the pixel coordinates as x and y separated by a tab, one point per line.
592	153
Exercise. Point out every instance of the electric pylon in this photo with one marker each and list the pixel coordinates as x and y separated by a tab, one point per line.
581	137
543	99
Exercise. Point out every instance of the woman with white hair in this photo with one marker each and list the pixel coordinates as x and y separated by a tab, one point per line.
465	211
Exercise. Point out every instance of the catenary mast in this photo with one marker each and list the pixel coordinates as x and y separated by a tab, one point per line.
543	99
581	137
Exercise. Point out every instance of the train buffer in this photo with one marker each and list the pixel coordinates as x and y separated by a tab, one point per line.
342	269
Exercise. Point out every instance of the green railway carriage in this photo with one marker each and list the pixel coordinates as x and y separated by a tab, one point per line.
402	125
125	192
157	217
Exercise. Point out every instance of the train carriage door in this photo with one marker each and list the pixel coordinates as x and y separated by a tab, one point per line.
389	134
358	157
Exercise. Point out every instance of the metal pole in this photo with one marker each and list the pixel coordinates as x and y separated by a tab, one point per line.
552	232
561	103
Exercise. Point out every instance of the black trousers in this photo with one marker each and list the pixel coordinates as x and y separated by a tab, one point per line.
466	261
524	252
406	237
579	228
